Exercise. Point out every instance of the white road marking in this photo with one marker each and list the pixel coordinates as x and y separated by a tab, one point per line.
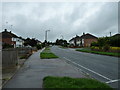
89	70
112	81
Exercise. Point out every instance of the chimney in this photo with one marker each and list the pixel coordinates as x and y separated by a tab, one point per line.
5	30
83	33
10	31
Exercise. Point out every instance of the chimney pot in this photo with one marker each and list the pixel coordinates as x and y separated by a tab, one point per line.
5	30
83	33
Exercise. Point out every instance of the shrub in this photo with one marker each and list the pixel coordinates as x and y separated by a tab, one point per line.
106	47
94	44
5	45
115	48
39	46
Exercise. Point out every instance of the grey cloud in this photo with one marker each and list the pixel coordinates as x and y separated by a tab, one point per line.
32	19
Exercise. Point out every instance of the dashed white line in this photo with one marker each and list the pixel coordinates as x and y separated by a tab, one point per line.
89	70
112	81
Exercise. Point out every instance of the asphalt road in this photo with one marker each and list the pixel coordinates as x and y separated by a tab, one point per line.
100	67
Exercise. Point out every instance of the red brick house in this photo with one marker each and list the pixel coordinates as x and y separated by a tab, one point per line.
7	37
11	39
85	40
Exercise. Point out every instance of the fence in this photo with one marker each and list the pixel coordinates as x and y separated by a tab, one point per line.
10	56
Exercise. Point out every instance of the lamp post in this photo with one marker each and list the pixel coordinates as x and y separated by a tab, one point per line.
46	36
62	37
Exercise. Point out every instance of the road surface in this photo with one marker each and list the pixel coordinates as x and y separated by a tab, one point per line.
100	67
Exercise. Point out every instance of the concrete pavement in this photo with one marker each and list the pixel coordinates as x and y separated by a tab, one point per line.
35	69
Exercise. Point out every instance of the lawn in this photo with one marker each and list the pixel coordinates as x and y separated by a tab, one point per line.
97	52
67	82
47	54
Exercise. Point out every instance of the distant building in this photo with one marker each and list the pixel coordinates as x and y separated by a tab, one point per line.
11	39
72	42
85	40
38	42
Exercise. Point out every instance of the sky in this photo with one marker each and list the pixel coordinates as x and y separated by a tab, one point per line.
63	19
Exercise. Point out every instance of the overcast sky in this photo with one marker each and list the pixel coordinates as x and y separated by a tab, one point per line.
68	19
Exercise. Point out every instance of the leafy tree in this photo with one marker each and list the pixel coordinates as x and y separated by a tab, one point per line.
61	42
115	40
39	46
32	42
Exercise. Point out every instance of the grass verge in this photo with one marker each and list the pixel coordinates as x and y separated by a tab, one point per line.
102	53
47	54
67	82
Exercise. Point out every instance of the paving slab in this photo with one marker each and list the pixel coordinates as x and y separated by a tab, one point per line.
35	69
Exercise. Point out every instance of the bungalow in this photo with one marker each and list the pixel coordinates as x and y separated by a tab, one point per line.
85	40
11	39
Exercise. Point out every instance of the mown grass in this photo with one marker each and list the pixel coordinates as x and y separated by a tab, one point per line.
47	54
97	52
67	82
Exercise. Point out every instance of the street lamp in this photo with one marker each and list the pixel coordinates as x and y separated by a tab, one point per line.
46	35
62	37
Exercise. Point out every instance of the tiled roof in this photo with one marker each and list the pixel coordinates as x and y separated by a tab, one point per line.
86	36
116	35
6	34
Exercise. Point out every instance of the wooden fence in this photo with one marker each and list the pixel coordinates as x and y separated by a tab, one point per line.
10	56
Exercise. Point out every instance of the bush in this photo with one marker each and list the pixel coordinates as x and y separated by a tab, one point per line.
106	47
115	48
5	45
94	44
39	46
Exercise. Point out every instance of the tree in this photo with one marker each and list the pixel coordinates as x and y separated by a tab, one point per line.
32	42
61	42
115	40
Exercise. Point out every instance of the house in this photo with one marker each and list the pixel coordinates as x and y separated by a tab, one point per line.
85	40
38	42
11	39
19	42
72	42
